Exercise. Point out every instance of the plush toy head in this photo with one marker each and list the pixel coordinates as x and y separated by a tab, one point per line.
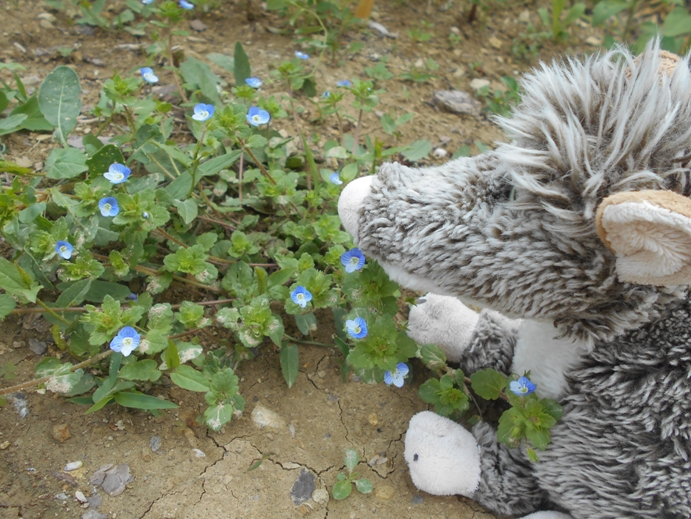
518	229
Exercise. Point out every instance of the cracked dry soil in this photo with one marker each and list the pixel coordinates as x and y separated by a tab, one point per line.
320	415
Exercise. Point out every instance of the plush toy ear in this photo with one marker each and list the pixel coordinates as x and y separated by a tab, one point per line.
650	232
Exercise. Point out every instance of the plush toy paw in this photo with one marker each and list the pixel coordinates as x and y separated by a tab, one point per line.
443	321
442	456
350	202
547	515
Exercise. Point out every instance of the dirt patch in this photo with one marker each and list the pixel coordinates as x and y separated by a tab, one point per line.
196	473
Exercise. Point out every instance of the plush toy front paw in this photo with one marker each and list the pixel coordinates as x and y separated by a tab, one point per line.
442	456
350	202
443	321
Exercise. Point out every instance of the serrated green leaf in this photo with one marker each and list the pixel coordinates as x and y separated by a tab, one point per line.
101	161
290	361
432	356
145	370
215	417
488	383
65	163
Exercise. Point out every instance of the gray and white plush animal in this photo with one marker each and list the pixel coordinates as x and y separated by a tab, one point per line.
575	238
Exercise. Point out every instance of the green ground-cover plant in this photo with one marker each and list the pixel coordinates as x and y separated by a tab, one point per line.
234	219
344	485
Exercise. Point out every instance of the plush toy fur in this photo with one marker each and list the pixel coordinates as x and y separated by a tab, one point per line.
576	239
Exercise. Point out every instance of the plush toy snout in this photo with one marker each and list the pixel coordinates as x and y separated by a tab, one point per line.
350	202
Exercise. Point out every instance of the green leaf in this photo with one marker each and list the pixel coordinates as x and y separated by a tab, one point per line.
29	214
65	163
306	323
290	360
100	404
432	356
488	383
12	123
539	438
181	186
100	289
189	378
351	459
337	152
145	370
7	304
215	417
276	331
104	158
241	68
552	408
222	60
677	22
188	210
171	356
59	100
142	401
342	489
606	9
417	150
74	295
363	485
16	281
213	166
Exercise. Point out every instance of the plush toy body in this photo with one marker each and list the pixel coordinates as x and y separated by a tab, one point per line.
576	239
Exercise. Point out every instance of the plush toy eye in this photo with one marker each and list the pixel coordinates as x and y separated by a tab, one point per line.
415	457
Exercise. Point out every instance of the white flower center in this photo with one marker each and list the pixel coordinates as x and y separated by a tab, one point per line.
203	114
63	248
107	207
356	329
127	342
354	260
301	296
257	119
118	176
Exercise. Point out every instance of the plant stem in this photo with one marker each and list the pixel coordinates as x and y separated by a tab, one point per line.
169	46
52	312
357	132
311	343
31	383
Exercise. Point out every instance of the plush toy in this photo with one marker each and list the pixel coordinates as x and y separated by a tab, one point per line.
575	239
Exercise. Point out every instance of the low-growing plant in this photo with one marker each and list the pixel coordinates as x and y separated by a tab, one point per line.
560	19
344	486
499	102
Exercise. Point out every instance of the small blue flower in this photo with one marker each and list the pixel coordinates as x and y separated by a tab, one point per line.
147	2
126	341
335	178
301	55
64	249
344	83
326	94
203	112
396	377
148	75
356	328
254	82
522	386
256	116
301	296
132	296
353	260
117	173
145	215
186	5
108	206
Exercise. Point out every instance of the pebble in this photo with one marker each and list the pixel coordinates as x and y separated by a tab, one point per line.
198	25
373	420
495	42
61	496
18	344
381	29
80	496
73	466
155	443
46	16
61	432
417	499
320	496
385	492
303	488
94	500
199	453
46	24
4	445
440	153
457	102
116	479
593	40
264	417
477	83
38	347
93	514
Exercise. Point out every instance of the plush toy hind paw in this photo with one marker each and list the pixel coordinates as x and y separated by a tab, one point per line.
443	321
442	456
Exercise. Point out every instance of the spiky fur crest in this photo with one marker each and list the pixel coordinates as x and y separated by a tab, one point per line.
584	130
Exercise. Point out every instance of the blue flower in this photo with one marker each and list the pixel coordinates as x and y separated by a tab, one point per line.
301	55
396	377
117	173
353	260
186	5
344	83
203	112
126	341
356	328
326	94
147	2
64	249
256	116
132	296
148	75
301	296
336	179
522	386
254	82
108	206
145	215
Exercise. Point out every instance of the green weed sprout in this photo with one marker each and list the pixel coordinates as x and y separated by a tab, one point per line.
344	485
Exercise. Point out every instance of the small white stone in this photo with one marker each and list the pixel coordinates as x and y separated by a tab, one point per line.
73	466
80	496
477	83
456	30
264	417
198	453
440	153
320	496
